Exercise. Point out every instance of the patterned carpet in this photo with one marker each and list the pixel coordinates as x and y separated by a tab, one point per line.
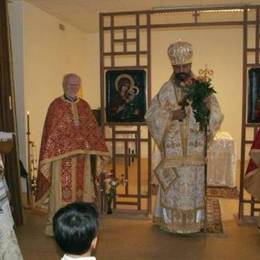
213	207
214	220
222	192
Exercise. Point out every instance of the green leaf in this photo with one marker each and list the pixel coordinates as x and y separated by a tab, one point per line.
196	94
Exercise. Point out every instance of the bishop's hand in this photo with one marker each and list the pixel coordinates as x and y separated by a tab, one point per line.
207	102
178	114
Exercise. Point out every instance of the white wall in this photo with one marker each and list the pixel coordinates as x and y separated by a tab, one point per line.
49	53
92	82
15	9
16	30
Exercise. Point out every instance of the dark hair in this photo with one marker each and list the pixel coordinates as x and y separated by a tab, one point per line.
75	226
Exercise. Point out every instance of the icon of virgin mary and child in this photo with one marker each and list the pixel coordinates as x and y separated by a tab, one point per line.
124	105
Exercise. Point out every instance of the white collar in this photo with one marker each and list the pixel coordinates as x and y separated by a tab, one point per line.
67	257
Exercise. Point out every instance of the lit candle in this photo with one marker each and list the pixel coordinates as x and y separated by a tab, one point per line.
28	123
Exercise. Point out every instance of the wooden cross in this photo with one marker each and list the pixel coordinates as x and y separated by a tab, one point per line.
196	15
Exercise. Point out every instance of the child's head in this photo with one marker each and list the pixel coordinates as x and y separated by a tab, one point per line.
75	228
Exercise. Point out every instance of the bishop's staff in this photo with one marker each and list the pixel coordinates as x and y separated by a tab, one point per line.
206	74
197	93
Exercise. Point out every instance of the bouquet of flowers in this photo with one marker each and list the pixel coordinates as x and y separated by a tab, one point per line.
109	184
196	92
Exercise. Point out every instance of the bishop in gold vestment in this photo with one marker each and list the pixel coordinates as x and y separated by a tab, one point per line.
180	200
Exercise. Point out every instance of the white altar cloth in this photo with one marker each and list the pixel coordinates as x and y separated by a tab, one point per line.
222	161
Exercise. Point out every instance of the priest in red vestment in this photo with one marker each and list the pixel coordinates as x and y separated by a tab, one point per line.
70	135
252	175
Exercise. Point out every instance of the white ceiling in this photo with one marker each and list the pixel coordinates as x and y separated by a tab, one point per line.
84	14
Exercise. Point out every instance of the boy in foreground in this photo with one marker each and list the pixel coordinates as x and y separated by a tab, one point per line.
75	228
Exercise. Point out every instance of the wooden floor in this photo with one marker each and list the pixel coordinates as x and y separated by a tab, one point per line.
135	237
129	238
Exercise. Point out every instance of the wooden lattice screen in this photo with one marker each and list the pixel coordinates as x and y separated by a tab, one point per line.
115	33
250	60
124	44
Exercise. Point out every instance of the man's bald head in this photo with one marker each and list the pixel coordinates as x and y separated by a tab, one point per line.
71	84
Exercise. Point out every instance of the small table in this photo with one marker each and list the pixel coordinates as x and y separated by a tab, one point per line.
222	161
